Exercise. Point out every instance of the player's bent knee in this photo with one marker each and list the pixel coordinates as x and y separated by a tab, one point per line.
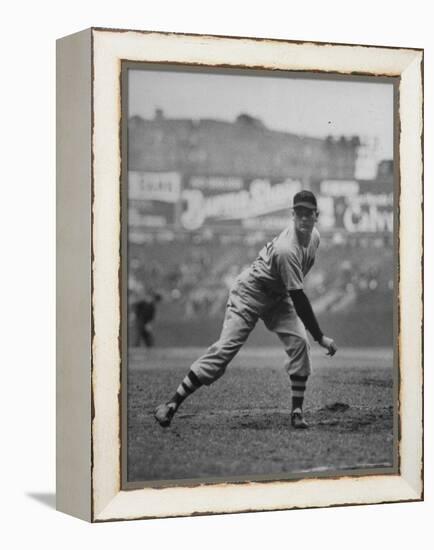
225	350
298	357
299	344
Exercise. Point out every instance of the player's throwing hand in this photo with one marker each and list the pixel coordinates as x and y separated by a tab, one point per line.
329	344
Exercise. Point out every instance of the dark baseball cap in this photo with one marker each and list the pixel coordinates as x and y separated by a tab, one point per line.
306	199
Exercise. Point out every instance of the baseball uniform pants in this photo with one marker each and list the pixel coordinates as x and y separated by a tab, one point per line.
246	304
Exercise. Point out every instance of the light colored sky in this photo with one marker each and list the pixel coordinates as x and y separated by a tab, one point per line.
313	107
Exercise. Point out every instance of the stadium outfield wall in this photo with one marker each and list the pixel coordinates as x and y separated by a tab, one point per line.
349	329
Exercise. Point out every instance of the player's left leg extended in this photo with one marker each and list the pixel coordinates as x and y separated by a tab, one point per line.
237	325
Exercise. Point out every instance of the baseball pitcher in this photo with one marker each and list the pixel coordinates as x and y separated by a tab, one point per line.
271	289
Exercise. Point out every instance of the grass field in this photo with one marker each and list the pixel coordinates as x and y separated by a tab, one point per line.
240	426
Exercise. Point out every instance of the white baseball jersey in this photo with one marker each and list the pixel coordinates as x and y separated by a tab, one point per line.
283	263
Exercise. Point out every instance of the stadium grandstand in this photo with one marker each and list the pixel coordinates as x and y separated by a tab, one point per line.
205	195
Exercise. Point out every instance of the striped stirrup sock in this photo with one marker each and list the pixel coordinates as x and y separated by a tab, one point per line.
298	387
189	385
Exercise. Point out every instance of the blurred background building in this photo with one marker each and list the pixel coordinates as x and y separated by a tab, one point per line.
205	195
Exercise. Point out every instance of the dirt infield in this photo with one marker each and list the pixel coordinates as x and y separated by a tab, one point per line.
240	426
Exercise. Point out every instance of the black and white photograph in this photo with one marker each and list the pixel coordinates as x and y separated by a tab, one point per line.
259	275
154	155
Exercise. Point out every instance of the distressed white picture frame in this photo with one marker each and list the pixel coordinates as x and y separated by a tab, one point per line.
88	266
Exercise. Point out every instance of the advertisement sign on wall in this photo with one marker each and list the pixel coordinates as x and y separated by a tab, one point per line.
160	200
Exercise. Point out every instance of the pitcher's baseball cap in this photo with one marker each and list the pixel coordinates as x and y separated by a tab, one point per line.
306	199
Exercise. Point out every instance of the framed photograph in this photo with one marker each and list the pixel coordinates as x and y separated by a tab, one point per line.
239	274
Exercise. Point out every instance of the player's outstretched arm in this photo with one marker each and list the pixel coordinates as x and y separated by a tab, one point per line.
305	312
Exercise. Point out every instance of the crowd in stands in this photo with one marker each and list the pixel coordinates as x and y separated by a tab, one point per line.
194	280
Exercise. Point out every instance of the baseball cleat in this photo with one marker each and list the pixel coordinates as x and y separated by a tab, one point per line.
297	420
164	413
